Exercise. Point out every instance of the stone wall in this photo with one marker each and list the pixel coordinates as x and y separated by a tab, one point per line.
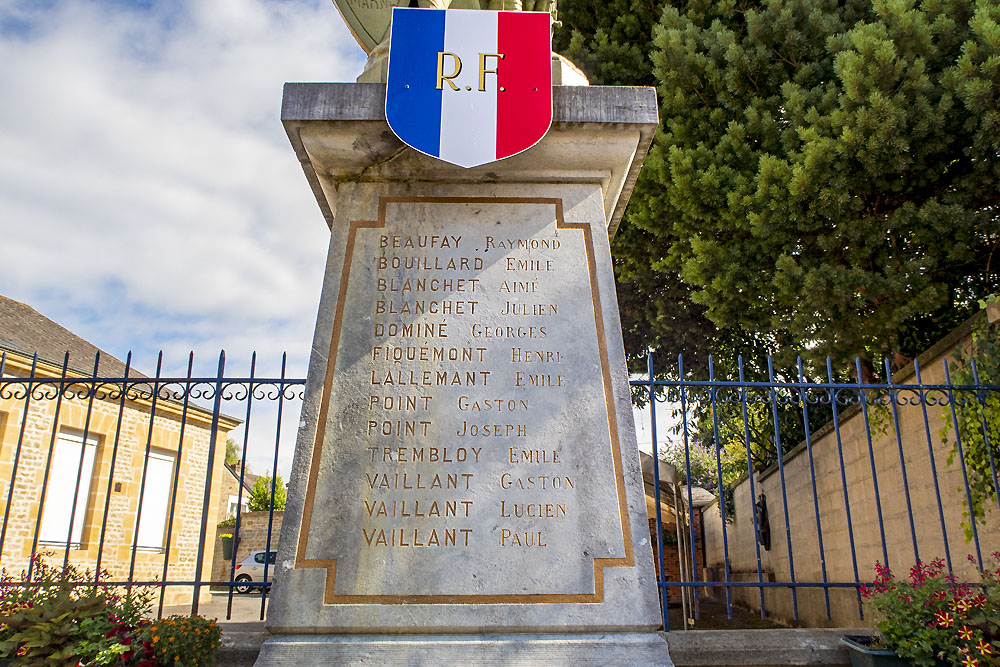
253	537
860	489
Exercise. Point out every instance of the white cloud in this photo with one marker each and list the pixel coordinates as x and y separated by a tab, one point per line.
148	195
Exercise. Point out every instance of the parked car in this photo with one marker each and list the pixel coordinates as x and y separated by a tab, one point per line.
251	569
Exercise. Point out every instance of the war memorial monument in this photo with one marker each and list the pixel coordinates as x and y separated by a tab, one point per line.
466	485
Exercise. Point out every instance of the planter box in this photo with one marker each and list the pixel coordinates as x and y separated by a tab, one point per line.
864	656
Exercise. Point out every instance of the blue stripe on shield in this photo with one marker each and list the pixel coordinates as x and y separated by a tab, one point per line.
413	104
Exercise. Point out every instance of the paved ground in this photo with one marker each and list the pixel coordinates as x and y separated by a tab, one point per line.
245	609
746	638
712	615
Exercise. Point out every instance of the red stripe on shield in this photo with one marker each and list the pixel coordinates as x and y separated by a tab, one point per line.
524	102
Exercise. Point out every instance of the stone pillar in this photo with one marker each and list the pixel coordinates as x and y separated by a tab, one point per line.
466	484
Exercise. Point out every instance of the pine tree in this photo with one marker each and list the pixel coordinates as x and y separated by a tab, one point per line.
827	174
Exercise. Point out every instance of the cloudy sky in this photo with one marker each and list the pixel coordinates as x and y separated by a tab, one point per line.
149	199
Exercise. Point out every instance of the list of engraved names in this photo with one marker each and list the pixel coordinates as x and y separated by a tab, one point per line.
476	349
416	280
431	302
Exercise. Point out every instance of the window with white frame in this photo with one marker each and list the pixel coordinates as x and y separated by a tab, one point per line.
67	493
234	502
153	518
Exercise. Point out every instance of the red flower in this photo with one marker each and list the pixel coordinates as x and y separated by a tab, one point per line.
943	619
965	633
984	648
969	661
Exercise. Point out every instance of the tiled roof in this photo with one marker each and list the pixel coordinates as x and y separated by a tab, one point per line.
23	330
249	478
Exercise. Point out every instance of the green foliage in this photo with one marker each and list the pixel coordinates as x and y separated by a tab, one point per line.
612	42
826	172
609	40
259	499
704	468
46	620
931	617
54	632
752	431
978	416
227	523
232	452
185	641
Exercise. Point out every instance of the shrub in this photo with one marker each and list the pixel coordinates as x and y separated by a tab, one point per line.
704	469
185	641
259	498
47	620
933	618
978	420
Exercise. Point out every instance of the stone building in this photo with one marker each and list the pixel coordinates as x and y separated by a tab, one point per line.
126	481
230	490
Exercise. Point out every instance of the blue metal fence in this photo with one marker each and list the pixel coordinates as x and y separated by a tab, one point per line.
877	447
130	422
858	472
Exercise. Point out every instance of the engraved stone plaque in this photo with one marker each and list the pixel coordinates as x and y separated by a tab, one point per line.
467	415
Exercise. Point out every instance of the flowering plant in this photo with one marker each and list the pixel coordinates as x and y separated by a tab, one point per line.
931	617
184	641
48	618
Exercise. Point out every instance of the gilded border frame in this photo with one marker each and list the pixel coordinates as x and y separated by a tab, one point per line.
329	596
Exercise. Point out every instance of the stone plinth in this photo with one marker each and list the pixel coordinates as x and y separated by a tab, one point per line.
466	468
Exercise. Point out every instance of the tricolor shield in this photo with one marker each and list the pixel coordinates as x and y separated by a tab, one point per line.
469	86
